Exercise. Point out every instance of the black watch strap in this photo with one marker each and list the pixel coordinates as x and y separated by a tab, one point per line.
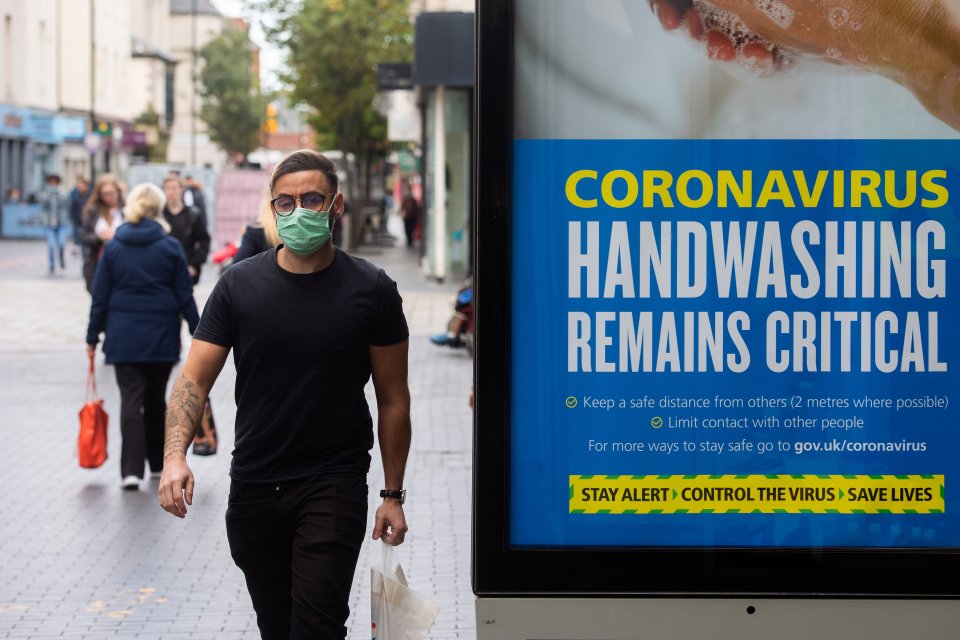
396	494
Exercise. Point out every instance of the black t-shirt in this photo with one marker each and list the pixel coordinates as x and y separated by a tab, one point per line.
301	348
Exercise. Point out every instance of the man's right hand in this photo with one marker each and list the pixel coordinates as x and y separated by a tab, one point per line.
176	486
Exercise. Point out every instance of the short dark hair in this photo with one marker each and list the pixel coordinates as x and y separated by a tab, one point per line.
53	176
305	160
173	177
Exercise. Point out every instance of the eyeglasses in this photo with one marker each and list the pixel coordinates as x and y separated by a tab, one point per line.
314	201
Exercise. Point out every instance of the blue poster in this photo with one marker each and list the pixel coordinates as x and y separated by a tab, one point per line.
734	343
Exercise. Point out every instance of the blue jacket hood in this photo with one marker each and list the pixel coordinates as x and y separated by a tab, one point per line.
144	232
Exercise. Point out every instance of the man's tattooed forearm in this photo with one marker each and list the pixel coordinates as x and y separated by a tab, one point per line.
187	397
183	416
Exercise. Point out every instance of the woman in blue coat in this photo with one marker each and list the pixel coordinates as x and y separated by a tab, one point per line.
141	291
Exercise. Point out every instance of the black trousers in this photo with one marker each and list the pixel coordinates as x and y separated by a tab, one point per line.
297	543
143	406
410	228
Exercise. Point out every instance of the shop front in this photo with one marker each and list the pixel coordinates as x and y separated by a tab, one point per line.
15	152
30	147
33	145
444	71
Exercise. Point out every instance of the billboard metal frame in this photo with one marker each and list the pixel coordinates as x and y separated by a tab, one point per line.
500	569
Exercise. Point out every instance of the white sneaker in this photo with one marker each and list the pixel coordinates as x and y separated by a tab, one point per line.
130	483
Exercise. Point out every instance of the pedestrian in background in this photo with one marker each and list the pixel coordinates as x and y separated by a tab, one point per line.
55	214
101	216
309	325
193	194
141	291
259	235
410	211
78	198
187	224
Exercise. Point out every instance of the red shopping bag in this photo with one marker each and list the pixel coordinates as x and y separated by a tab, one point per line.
92	441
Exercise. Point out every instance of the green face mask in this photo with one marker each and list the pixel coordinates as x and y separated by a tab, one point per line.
304	231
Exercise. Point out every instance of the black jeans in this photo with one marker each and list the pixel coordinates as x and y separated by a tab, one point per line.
143	406
410	228
297	543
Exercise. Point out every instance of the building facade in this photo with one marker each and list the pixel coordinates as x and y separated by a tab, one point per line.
31	129
90	86
151	100
96	80
193	23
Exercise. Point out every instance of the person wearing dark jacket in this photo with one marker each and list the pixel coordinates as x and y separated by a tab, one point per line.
101	216
188	225
410	211
78	198
193	194
141	291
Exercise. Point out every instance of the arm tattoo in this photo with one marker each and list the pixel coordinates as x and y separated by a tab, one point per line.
183	416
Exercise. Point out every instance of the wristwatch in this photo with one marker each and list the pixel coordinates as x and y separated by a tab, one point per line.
396	494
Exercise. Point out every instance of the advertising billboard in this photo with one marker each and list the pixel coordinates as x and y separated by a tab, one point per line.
751	337
721	282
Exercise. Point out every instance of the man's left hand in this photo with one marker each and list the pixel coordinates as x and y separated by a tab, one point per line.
390	523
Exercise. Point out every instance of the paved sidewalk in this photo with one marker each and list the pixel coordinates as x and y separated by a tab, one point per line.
79	558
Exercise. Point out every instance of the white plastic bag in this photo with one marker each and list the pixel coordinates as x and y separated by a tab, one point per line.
397	611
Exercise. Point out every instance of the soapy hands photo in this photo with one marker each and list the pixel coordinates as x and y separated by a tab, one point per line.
915	43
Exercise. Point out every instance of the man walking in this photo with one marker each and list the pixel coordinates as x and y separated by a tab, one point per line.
188	225
309	325
78	198
55	220
410	212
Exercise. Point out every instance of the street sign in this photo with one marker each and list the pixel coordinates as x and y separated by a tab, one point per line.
134	138
394	75
92	142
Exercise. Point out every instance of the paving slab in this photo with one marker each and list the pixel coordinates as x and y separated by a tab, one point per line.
79	558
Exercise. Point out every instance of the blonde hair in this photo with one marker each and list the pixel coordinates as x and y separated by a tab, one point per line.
268	223
146	200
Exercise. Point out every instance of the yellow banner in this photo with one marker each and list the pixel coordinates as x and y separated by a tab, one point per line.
756	494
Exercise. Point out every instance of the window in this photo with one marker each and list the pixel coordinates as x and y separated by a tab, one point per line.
43	57
8	56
